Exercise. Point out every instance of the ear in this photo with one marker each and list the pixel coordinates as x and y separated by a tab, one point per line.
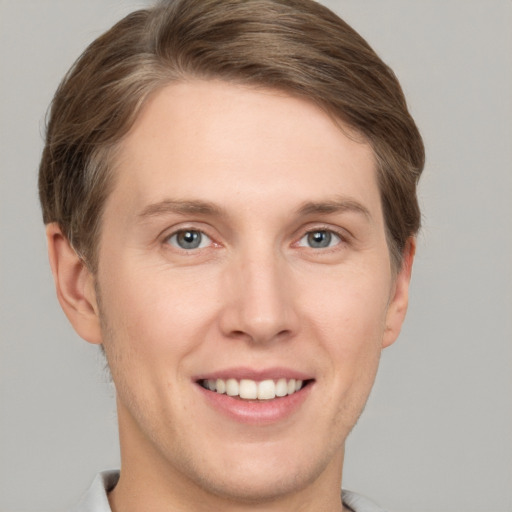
400	295
74	284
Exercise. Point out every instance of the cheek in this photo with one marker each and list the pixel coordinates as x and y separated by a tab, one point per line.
351	306
157	314
348	316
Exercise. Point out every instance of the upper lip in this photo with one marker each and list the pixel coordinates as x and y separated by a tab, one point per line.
259	374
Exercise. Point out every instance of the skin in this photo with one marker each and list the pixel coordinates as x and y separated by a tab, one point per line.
255	294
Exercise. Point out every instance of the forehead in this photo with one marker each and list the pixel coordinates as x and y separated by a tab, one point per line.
219	142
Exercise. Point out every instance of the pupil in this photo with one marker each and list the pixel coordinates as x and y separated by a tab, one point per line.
189	239
319	239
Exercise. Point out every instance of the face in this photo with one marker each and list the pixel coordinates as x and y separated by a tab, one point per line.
245	290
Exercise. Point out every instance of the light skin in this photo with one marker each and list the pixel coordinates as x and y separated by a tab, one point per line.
244	237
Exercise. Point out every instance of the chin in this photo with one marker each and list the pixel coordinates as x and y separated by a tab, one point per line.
266	475
258	486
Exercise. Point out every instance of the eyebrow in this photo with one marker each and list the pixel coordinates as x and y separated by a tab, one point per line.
194	207
180	207
340	205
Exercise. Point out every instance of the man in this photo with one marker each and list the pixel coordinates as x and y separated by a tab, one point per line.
229	189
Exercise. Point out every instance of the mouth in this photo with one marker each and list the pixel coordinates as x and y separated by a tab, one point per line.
247	389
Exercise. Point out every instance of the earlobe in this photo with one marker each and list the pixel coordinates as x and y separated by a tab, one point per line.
74	284
400	297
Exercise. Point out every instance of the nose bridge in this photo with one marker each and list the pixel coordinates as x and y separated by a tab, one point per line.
261	302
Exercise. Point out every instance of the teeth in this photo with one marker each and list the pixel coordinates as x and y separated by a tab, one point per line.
220	386
251	390
266	390
281	387
248	389
232	387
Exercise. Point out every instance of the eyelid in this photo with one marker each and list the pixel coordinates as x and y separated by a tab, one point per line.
202	242
343	234
333	233
168	233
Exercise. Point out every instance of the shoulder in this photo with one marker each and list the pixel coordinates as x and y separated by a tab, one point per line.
95	499
358	503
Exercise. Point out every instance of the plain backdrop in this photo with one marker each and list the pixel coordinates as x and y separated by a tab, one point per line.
437	432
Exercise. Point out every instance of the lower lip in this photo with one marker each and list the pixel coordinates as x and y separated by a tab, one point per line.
256	412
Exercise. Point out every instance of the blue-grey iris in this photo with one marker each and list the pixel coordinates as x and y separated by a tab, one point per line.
319	239
189	239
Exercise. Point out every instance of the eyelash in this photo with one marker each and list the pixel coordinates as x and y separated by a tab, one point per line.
339	239
326	231
184	231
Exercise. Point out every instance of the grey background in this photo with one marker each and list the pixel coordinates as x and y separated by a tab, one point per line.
437	432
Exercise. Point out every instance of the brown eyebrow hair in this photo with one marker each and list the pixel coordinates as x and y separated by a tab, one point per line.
180	207
335	206
184	207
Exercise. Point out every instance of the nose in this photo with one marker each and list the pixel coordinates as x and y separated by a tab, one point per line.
259	303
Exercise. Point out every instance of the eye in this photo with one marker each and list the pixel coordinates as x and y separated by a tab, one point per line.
189	239
319	239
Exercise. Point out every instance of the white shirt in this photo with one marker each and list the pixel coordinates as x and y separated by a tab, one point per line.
95	499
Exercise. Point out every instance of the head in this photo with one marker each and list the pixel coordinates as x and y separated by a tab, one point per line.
230	189
295	46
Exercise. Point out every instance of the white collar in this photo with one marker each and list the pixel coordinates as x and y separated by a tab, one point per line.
96	500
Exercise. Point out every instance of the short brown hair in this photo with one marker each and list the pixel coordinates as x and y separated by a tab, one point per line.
297	46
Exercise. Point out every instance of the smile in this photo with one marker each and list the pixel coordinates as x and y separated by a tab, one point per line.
248	389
